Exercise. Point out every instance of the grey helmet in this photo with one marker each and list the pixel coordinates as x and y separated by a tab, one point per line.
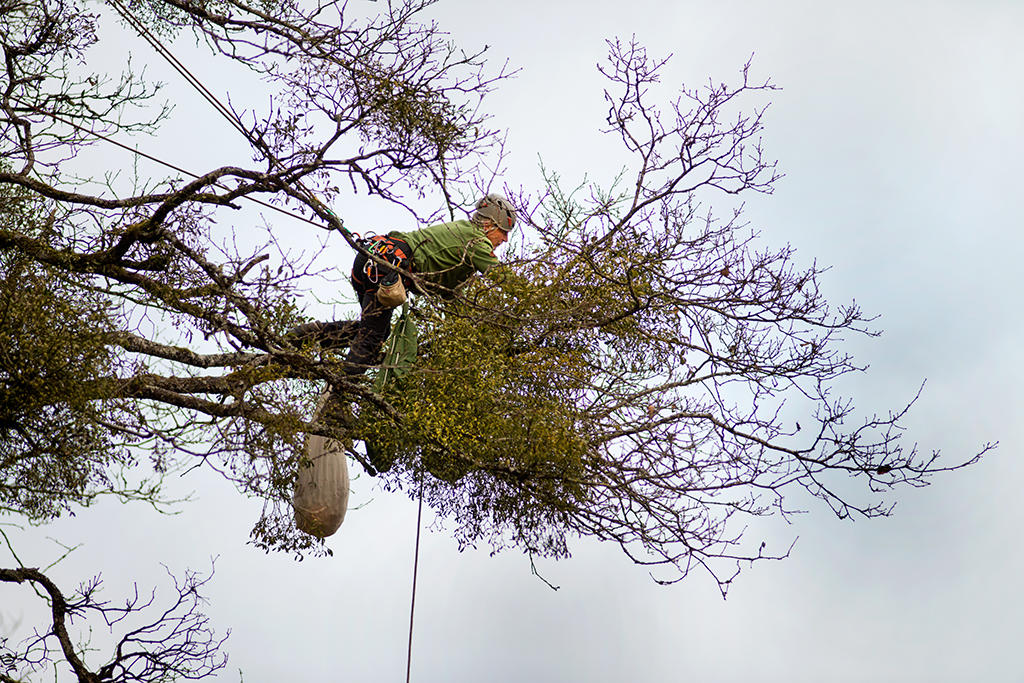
496	208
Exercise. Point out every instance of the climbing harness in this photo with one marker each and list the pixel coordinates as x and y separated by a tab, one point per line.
391	249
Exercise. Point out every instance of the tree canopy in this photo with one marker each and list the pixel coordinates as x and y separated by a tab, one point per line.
642	369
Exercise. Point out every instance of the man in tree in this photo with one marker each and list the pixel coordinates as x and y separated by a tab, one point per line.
434	260
632	379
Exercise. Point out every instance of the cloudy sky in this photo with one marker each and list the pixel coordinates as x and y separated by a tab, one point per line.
899	128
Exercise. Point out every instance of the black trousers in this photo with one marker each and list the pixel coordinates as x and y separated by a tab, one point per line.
364	337
367	337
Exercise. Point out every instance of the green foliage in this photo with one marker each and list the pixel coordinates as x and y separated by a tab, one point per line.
492	425
626	379
408	117
56	444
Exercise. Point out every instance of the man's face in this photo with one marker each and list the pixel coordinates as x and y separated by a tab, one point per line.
496	235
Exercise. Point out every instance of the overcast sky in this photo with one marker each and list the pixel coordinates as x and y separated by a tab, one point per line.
899	128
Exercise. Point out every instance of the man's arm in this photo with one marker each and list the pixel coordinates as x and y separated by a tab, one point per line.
481	254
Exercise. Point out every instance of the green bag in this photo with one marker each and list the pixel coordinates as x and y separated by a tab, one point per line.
399	351
399	356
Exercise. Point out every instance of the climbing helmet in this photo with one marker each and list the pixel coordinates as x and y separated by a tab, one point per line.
496	208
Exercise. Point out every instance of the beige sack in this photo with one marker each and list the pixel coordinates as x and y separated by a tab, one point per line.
320	498
391	295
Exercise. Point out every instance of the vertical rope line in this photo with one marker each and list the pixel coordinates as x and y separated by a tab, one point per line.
415	568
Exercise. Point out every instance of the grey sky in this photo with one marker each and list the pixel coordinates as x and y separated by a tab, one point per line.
899	128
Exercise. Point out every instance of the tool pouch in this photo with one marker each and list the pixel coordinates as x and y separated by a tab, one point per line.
391	295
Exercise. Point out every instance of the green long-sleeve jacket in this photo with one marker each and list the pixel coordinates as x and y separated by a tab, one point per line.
448	254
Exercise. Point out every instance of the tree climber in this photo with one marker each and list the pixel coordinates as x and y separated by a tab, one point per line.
442	257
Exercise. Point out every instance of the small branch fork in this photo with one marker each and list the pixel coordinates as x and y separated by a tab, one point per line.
178	644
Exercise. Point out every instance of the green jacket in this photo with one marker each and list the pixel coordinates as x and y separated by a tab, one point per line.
448	254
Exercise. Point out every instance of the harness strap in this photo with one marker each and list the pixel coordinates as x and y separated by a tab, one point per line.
391	249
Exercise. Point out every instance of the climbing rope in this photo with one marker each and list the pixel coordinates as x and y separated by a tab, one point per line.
415	568
334	222
174	167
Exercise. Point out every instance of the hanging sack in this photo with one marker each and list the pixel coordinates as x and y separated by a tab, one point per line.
320	497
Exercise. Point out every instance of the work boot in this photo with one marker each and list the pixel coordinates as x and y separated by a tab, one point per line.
332	335
303	332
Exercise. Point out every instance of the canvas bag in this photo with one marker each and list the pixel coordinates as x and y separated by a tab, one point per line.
320	497
391	295
399	351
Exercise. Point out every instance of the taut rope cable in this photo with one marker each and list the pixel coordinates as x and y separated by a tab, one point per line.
171	166
155	43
